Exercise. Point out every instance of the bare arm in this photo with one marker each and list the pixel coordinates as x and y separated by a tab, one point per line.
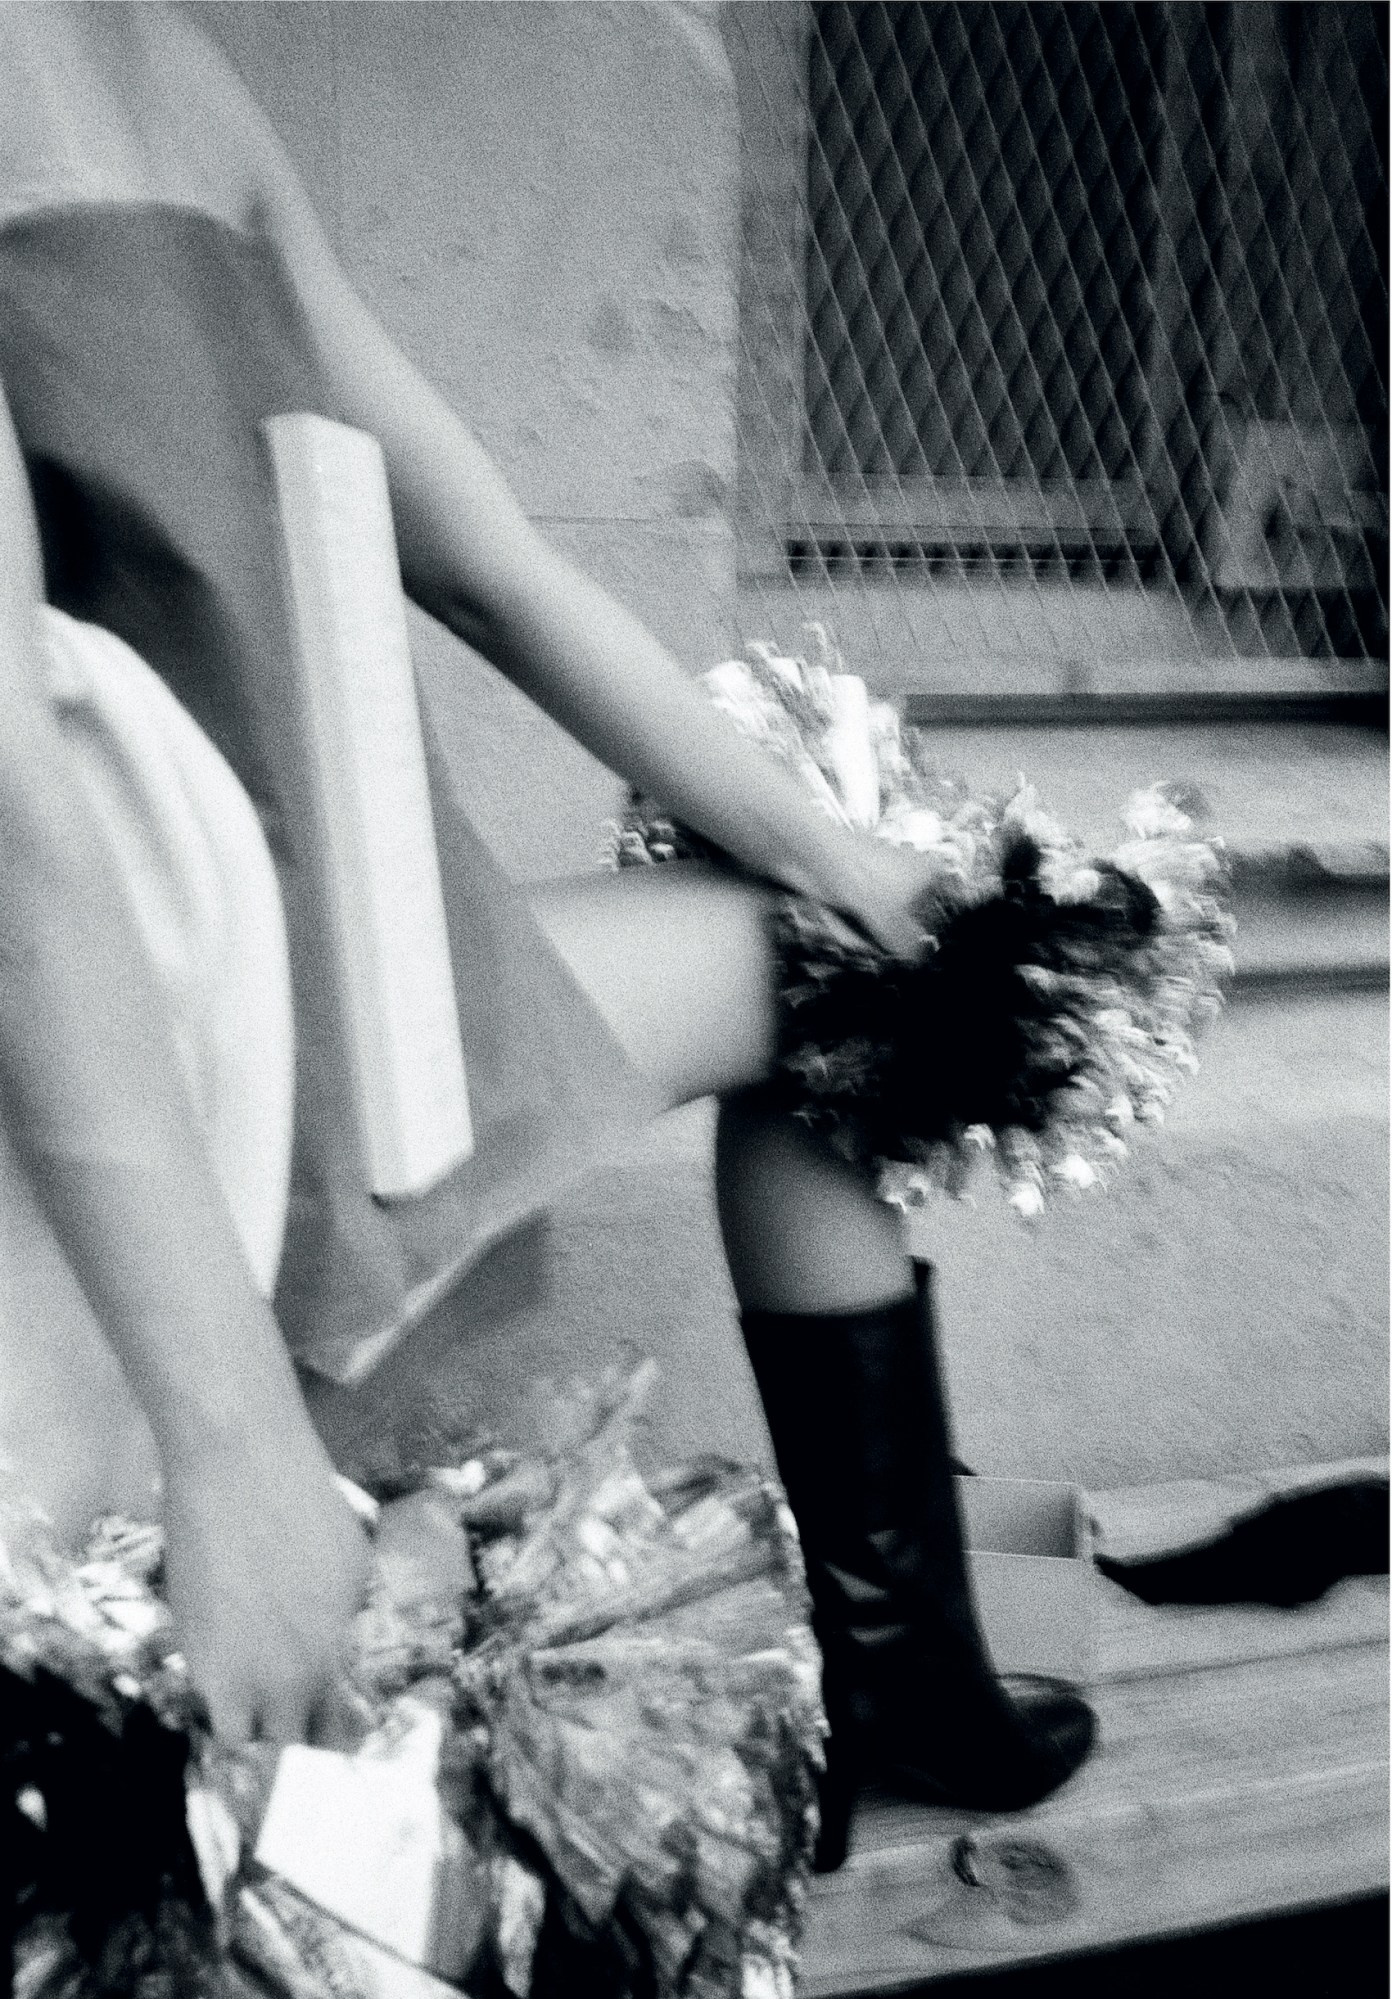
91	1095
471	558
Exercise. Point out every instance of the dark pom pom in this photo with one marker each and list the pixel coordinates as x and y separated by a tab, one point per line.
1019	867
885	1057
93	1797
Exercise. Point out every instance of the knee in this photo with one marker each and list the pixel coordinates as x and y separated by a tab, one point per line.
803	1229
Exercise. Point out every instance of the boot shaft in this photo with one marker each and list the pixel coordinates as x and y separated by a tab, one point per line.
859	1423
857	1413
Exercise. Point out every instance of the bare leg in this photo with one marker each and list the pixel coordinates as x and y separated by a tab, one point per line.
840	1338
803	1231
677	960
678	963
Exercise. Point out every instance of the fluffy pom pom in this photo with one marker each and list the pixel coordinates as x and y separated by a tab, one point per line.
1059	1003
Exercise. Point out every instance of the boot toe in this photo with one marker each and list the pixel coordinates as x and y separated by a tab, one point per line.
1059	1722
1001	1749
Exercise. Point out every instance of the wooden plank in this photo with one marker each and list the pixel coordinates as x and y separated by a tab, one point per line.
1214	1796
1140	1641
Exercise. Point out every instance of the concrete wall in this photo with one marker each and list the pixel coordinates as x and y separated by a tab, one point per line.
1223	1306
540	202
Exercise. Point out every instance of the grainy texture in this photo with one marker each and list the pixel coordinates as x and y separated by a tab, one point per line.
1222	1307
1217	1793
540	201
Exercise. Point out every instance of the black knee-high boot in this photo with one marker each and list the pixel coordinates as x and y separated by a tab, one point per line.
857	1414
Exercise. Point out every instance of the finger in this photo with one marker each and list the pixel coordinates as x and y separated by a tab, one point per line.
233	1720
198	1712
341	1719
858	929
900	937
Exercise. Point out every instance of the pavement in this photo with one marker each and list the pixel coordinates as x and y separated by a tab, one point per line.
1265	788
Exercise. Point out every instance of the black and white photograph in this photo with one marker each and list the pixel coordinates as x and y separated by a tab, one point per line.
694	887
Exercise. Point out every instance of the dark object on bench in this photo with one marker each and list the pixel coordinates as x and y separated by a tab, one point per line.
1289	1553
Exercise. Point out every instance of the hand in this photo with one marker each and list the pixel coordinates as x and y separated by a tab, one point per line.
890	891
266	1566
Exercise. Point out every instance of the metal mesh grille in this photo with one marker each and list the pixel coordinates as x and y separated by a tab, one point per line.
1069	302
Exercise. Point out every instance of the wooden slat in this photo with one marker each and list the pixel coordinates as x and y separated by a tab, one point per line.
1139	1641
1215	1796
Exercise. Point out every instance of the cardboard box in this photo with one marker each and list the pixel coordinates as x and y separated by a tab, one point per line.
1027	1548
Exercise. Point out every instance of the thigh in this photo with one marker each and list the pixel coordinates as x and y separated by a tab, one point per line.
677	961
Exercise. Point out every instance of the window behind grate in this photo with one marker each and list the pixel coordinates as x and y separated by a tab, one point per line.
979	192
1086	289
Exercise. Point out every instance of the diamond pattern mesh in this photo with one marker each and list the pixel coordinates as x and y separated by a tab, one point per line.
1079	295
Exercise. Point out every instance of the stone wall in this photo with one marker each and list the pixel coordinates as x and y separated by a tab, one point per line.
540	202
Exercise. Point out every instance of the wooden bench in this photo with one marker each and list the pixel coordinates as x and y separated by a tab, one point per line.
1242	1771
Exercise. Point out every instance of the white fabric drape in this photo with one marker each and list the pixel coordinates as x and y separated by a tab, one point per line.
190	852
